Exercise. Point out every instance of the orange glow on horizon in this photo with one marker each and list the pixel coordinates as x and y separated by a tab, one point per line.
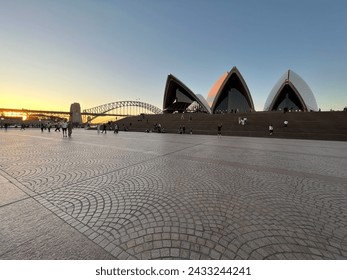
17	97
21	115
26	103
13	114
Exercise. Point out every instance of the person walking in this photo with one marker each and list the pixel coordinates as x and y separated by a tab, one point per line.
57	127
69	129
64	127
104	128
115	128
219	129
271	129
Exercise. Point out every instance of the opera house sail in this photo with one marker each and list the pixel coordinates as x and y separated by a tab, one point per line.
292	93
214	90
178	97
231	94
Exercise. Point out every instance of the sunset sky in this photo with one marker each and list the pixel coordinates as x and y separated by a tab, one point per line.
56	52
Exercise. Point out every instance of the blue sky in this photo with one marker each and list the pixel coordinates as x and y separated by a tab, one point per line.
54	53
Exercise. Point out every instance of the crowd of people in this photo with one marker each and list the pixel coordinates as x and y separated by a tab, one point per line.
66	126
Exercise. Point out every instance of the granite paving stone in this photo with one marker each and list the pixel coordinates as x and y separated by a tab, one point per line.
30	231
9	193
167	196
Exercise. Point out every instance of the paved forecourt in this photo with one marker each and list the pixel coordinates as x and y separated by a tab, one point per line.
168	196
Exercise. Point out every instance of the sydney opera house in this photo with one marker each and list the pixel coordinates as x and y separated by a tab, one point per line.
291	92
230	94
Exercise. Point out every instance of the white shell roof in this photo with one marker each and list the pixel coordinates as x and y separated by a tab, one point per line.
301	86
171	79
204	101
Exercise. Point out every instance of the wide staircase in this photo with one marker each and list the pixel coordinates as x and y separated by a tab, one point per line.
301	125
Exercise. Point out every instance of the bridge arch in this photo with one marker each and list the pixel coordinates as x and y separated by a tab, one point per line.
102	109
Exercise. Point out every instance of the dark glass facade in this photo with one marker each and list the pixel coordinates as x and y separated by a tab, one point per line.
233	95
233	101
288	100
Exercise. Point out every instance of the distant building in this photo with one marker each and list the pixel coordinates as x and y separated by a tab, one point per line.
75	111
291	93
230	94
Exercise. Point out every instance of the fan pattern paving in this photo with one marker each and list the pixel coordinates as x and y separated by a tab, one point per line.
143	196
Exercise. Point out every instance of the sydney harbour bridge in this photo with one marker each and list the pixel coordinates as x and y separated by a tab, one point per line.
113	109
121	108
